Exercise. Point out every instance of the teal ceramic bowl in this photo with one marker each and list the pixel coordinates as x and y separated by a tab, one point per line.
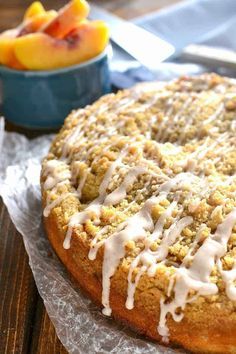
42	99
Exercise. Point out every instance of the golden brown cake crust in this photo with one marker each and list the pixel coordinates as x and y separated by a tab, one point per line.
209	322
206	331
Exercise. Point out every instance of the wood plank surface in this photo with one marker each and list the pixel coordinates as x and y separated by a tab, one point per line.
24	324
18	294
11	11
44	338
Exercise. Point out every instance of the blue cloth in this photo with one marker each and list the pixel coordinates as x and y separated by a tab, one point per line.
195	21
211	22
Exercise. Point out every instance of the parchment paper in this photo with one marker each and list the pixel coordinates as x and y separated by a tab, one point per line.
79	324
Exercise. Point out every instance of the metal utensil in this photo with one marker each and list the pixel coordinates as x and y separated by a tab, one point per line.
149	49
210	56
135	40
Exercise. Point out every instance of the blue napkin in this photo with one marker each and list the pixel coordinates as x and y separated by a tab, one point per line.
211	22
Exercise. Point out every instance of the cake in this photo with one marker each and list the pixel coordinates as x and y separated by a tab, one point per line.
139	198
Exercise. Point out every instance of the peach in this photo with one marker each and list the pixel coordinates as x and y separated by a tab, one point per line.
7	38
36	8
39	51
35	23
7	54
67	19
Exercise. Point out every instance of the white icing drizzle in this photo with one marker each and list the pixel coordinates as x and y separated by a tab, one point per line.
57	174
191	117
55	171
194	274
82	183
229	278
135	228
192	248
120	192
197	276
54	203
114	248
215	115
94	209
198	157
172	123
233	125
171	101
71	138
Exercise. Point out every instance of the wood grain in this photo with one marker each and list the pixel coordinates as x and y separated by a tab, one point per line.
44	338
11	11
24	324
17	289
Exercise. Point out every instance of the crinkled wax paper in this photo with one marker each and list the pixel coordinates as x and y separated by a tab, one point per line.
79	324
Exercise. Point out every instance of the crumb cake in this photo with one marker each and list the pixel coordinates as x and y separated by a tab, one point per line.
139	197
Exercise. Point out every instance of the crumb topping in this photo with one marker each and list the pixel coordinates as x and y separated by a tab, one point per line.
148	174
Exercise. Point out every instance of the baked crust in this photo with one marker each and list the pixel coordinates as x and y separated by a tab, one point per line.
207	329
209	322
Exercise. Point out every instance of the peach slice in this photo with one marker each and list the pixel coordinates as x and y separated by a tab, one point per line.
7	54
35	23
68	17
38	51
36	8
7	38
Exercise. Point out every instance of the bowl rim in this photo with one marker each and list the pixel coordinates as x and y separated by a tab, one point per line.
43	73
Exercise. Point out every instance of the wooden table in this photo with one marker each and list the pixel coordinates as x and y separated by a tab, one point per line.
24	324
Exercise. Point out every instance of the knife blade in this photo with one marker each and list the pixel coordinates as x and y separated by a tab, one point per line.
142	45
210	56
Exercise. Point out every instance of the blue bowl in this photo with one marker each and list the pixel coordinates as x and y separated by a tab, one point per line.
42	99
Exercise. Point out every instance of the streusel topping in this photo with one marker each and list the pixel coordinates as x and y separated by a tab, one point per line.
148	175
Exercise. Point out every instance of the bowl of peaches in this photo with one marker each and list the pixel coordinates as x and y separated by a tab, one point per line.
52	63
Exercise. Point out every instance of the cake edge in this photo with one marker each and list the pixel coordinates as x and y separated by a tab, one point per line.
220	337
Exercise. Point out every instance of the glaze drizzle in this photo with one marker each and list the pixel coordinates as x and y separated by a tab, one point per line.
193	275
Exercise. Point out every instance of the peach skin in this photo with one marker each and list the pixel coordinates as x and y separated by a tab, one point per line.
36	8
39	51
68	17
34	19
7	38
35	23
